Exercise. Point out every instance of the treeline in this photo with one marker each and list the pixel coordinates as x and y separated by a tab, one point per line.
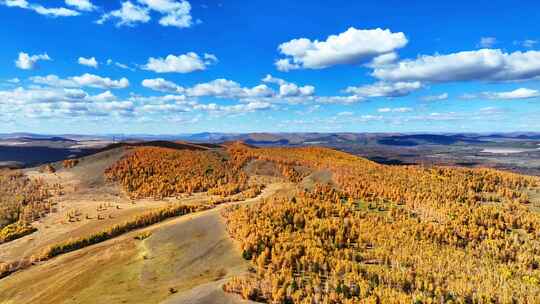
137	222
162	172
384	234
140	221
14	231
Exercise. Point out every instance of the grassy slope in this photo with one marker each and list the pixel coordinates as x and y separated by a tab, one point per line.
192	254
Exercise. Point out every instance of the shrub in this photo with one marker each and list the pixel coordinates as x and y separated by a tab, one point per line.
15	231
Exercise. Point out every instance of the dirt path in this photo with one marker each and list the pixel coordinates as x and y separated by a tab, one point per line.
193	255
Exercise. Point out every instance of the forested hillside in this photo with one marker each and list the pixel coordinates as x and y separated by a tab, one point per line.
385	234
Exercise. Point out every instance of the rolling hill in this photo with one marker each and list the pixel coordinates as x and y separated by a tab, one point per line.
177	222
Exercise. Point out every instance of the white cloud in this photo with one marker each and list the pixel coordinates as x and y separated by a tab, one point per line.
210	58
90	62
27	62
119	64
521	93
443	96
14	80
95	81
123	66
527	43
339	99
271	79
174	13
394	110
85	80
351	46
292	90
292	93
224	88
384	89
487	42
162	85
129	15
63	103
285	65
82	5
185	63
177	13
51	12
104	97
383	60
484	64
54	11
287	89
16	3
234	109
220	88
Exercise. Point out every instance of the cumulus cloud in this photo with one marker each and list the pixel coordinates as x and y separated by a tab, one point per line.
383	60
174	13
294	94
29	62
95	81
286	92
90	62
162	85
394	110
225	88
288	89
128	15
16	3
384	89
521	93
85	80
185	63
292	90
351	46
443	96
487	42
58	103
55	11
484	64
47	11
82	5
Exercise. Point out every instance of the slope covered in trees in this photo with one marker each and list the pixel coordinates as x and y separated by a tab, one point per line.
21	202
162	172
383	234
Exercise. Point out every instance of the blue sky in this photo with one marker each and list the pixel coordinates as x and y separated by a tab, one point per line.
172	66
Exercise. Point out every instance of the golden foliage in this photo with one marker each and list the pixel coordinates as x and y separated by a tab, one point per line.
162	172
389	235
70	163
22	199
15	231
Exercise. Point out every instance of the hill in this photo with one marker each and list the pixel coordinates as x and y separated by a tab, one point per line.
193	223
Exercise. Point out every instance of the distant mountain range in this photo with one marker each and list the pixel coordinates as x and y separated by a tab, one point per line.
390	139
